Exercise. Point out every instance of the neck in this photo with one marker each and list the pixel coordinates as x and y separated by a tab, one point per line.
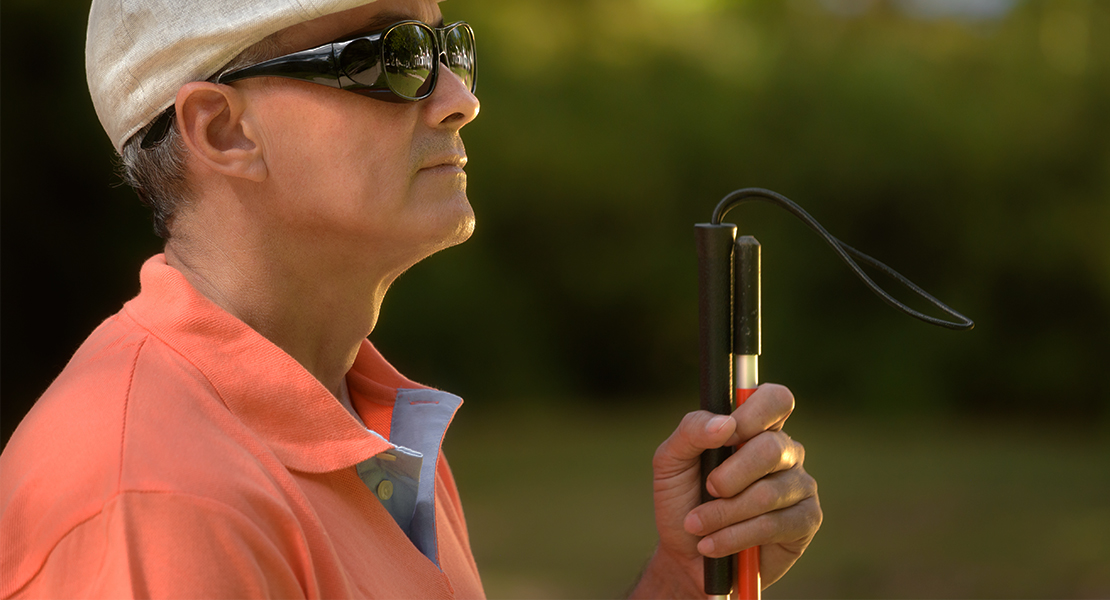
314	305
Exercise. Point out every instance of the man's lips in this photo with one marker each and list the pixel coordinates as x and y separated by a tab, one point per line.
447	162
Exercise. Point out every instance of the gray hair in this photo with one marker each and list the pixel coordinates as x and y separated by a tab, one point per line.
157	174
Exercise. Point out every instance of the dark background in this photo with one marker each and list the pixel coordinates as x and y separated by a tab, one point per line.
965	143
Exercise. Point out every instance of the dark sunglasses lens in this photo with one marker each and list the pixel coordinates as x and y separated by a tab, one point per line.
359	61
459	49
409	57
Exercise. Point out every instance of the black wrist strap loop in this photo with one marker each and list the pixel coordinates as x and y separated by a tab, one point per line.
846	252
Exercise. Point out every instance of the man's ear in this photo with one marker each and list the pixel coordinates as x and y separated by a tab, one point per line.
211	120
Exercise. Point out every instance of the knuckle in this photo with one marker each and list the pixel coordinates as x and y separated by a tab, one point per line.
770	447
767	528
764	496
811	517
817	516
689	421
784	445
712	515
721	483
726	541
681	435
693	424
692	419
809	484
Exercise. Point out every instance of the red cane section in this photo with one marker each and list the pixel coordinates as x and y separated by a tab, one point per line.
747	578
747	581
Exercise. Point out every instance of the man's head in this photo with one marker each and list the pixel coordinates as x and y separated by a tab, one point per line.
327	161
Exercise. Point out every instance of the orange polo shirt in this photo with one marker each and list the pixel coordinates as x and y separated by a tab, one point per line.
181	454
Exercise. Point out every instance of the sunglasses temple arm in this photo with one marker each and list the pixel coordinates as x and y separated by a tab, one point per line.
317	65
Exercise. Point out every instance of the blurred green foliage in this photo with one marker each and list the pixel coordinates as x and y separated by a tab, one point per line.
970	154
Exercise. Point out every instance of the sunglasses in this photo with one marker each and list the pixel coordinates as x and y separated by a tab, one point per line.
397	64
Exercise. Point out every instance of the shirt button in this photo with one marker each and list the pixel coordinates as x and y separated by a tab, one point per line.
385	489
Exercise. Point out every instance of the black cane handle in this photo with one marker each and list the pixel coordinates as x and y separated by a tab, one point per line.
715	245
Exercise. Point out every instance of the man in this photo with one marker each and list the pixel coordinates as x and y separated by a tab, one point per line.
231	432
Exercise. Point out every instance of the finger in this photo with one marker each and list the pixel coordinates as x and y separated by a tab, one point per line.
790	527
774	492
765	410
698	431
766	453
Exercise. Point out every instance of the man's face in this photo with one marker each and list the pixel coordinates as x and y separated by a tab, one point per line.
363	177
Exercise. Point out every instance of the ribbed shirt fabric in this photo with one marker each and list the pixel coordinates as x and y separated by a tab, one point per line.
182	454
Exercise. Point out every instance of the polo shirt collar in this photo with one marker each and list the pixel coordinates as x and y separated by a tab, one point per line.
265	388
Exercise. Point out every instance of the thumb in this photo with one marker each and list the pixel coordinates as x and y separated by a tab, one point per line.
698	431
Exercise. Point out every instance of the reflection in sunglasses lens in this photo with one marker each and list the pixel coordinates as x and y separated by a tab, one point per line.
359	61
460	55
408	53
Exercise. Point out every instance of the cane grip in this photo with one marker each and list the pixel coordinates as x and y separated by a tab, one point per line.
715	245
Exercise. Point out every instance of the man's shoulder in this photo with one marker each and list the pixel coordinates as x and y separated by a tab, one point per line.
113	383
80	418
129	412
129	417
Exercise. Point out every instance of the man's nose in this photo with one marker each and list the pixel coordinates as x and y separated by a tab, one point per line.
451	103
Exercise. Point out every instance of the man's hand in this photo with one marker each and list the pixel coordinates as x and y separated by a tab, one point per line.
764	496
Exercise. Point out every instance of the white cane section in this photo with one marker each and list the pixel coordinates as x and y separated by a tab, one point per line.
746	371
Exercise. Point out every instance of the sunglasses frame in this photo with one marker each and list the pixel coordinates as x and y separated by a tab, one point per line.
322	64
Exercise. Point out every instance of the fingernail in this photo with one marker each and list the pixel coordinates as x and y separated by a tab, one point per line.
706	546
718	423
693	523
712	490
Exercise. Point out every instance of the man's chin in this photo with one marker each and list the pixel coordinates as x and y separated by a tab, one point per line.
463	230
